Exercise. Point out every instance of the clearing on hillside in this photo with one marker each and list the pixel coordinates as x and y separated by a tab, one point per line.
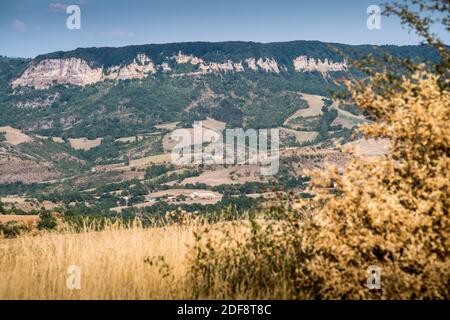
173	139
301	136
347	119
85	143
167	126
233	175
177	196
15	136
214	124
315	108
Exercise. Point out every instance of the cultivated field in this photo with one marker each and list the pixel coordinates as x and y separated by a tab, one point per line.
315	108
28	170
84	143
15	136
167	126
301	136
131	139
348	120
137	163
214	124
171	141
54	139
234	175
189	196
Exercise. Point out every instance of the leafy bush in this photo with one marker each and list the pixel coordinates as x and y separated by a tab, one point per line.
47	221
157	170
12	229
392	213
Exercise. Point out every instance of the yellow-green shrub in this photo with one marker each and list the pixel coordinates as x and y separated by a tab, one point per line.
390	212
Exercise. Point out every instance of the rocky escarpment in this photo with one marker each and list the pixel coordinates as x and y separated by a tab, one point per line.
53	71
305	64
84	66
139	68
76	71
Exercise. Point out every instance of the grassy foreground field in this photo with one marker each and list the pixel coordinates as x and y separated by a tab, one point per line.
112	263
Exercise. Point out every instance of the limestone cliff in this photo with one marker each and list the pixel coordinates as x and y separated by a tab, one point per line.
305	64
76	71
53	71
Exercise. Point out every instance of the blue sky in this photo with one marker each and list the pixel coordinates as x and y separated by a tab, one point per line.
32	27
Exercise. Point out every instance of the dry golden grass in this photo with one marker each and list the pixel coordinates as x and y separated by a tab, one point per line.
140	163
54	139
214	124
315	104
84	143
112	264
131	139
301	136
143	162
392	213
15	136
168	126
28	220
233	175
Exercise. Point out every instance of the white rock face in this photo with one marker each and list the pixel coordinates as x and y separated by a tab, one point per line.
181	58
138	69
305	64
47	72
268	65
251	62
238	67
211	67
165	67
76	71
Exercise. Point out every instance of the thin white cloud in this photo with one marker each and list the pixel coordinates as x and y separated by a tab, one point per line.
57	6
117	33
19	25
